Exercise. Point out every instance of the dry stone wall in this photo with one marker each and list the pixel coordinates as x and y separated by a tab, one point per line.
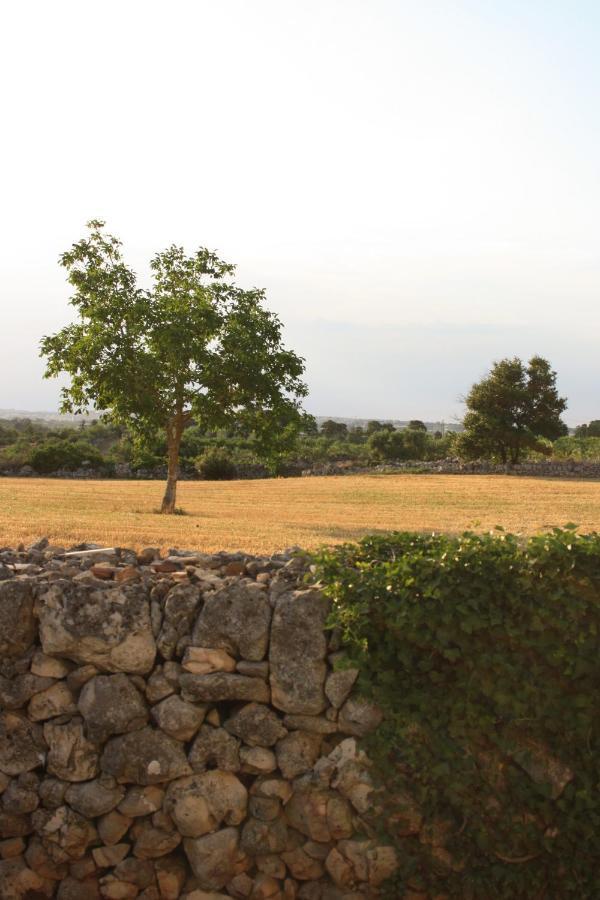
174	728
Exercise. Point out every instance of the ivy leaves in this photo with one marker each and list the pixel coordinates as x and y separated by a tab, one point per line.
484	652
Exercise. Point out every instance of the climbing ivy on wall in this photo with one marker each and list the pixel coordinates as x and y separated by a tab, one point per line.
484	654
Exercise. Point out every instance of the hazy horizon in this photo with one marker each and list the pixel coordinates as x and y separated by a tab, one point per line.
415	185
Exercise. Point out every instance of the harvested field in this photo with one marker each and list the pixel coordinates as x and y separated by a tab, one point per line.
264	516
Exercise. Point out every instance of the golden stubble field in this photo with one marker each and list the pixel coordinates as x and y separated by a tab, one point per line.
265	516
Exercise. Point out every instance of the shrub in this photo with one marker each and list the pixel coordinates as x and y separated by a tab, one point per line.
484	654
215	464
56	453
577	448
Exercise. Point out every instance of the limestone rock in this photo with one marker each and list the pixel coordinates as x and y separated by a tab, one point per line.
56	700
72	757
297	653
216	858
257	725
257	760
301	865
314	724
339	684
110	856
180	610
202	803
17	622
214	746
48	667
146	756
107	627
153	840
263	837
113	826
320	814
52	792
253	669
64	833
22	744
178	718
21	795
142	801
110	704
171	874
224	686
74	889
236	619
204	660
94	798
358	716
297	753
18	881
15	692
135	871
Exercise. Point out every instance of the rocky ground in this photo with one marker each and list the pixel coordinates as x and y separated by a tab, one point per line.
178	727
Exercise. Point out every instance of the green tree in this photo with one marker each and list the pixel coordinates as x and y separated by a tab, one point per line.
417	425
592	429
511	409
334	430
375	425
192	347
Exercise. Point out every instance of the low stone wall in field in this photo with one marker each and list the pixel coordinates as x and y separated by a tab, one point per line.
545	468
176	728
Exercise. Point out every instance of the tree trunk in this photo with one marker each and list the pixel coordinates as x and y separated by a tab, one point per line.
174	432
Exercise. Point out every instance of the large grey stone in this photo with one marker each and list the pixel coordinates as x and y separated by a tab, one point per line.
216	747
72	756
177	718
216	858
94	798
235	619
108	627
179	612
17	622
146	756
298	650
110	704
201	803
22	744
257	725
223	686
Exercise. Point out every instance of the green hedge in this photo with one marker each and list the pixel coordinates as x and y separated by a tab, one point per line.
484	653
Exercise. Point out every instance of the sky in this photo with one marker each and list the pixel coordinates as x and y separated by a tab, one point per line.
416	184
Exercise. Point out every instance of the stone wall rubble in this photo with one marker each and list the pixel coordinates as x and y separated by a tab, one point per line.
175	727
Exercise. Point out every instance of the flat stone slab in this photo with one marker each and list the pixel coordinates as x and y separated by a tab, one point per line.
224	686
107	627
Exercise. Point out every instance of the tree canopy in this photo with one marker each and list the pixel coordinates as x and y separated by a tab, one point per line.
592	429
511	409
193	347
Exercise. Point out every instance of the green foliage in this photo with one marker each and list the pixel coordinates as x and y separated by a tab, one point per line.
408	444
510	409
375	425
591	430
484	654
216	464
577	448
193	347
56	453
333	430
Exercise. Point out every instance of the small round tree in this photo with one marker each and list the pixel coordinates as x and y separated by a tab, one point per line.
194	347
511	409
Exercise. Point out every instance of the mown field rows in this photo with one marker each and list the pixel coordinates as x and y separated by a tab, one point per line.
263	516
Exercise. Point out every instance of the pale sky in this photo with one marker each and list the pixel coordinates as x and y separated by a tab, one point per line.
416	184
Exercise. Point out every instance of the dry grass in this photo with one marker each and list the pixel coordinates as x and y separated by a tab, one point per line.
264	516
